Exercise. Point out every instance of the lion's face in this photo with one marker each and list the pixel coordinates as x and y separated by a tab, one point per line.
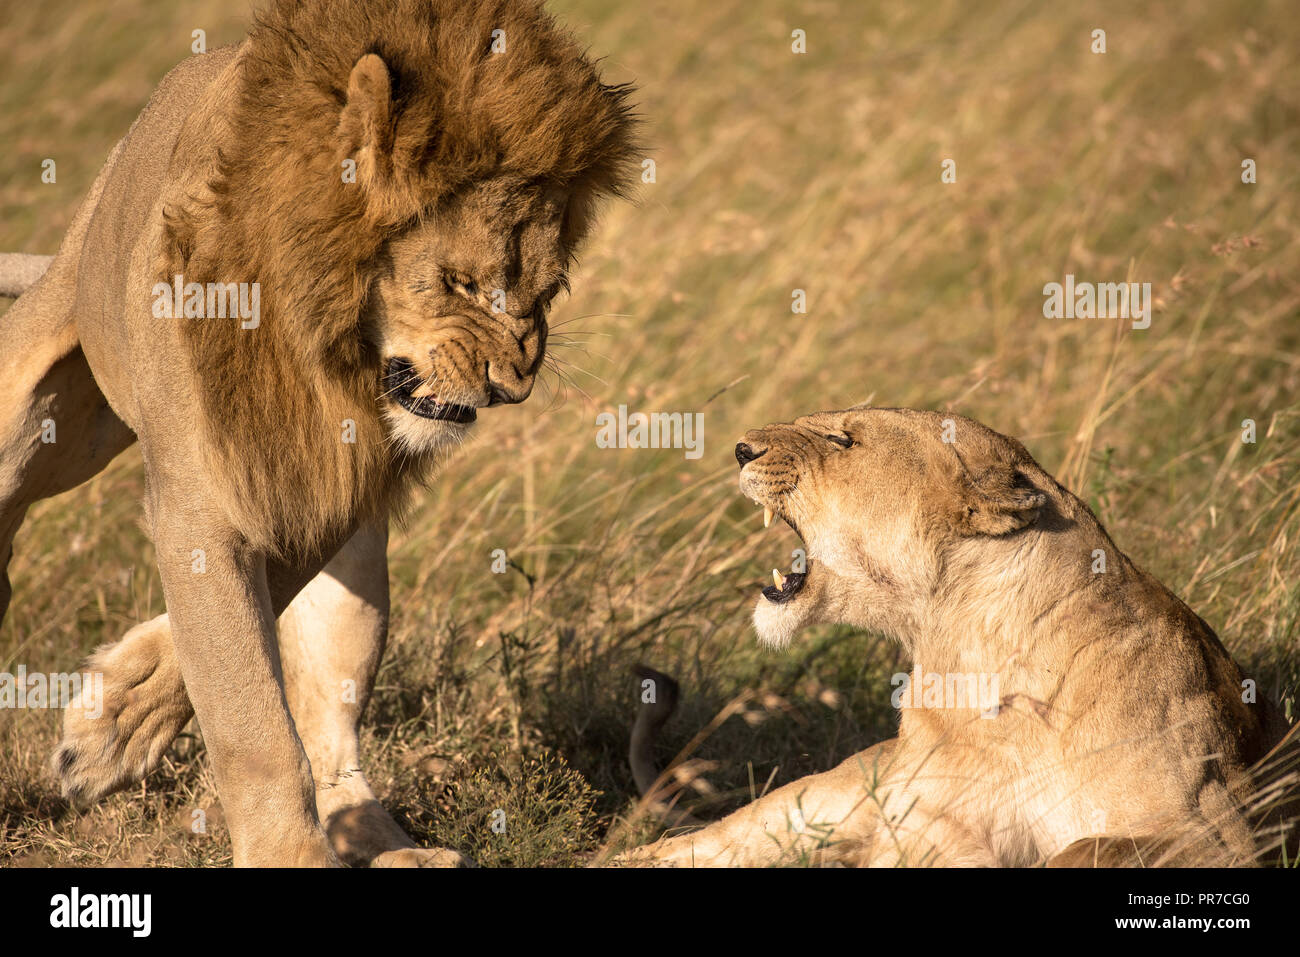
880	497
458	311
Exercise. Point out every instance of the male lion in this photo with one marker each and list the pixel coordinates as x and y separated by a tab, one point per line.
1116	711
406	182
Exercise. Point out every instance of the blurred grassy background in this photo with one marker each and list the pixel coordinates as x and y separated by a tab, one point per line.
775	171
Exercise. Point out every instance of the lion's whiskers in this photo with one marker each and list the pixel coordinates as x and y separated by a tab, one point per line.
590	315
556	362
553	365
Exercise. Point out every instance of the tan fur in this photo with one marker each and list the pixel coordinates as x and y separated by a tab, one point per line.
1118	715
435	120
477	175
19	272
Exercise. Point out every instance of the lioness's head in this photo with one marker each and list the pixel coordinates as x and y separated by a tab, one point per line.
883	499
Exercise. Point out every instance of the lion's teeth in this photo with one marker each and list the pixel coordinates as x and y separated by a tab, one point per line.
778	579
423	390
767	516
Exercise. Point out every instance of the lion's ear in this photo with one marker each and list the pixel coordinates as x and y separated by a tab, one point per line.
997	502
366	123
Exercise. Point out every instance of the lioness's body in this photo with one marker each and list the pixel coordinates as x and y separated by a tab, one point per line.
1118	711
407	249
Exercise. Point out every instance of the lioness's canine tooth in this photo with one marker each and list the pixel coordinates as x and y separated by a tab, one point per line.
767	516
424	389
779	579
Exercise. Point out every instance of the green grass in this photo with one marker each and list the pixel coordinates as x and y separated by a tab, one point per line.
774	172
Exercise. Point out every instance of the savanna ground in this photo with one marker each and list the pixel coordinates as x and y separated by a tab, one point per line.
775	172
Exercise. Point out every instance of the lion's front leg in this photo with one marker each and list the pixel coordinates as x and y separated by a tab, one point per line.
223	630
332	639
821	818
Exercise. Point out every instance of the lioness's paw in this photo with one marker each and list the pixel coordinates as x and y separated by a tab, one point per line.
131	708
648	855
625	860
422	857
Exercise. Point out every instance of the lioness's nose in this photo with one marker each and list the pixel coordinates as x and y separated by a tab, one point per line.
746	454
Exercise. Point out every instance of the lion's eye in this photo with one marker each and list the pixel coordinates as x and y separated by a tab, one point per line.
460	283
546	298
843	441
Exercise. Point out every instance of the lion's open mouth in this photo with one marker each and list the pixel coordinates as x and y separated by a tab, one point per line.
401	379
785	587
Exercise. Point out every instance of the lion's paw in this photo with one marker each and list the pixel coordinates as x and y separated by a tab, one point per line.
119	726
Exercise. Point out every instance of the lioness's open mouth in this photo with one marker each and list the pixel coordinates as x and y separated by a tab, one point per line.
784	587
401	380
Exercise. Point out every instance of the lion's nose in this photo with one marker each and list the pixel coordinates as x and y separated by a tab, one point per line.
500	393
499	396
746	454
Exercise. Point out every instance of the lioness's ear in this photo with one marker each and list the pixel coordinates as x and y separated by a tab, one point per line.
366	123
997	502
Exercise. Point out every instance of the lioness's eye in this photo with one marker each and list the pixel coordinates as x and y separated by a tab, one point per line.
843	441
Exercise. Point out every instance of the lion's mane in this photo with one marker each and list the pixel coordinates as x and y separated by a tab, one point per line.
276	210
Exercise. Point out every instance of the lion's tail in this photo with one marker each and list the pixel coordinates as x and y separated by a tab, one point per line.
19	272
656	708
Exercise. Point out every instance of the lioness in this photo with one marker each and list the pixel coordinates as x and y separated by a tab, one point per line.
313	258
1117	712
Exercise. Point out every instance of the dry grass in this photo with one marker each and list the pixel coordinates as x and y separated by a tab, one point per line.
775	172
